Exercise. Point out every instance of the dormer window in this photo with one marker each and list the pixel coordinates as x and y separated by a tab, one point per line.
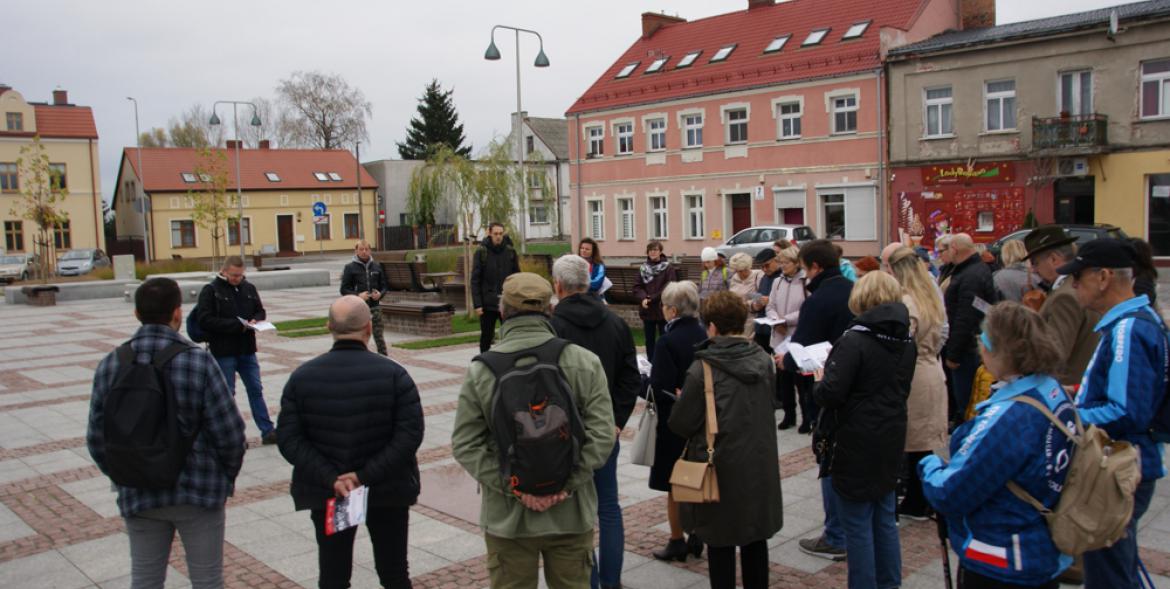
777	44
856	30
188	177
334	176
272	176
688	59
815	37
656	65
321	176
629	69
723	53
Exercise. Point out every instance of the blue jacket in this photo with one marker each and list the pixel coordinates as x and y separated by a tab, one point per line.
996	534
596	277
1124	386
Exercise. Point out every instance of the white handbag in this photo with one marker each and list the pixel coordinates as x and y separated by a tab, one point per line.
644	440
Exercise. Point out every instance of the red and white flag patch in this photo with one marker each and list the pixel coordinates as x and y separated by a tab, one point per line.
987	554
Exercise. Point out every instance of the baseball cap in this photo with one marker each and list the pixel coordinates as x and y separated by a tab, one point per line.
526	291
1105	252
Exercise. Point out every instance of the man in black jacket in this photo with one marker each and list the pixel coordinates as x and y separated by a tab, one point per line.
364	278
228	307
495	260
969	290
584	320
349	418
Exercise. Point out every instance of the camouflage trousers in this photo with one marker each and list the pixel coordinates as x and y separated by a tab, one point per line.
379	327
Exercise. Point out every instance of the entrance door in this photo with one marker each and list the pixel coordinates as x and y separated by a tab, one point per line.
792	216
741	212
284	233
1073	200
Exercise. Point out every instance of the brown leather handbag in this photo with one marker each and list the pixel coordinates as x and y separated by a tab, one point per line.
695	482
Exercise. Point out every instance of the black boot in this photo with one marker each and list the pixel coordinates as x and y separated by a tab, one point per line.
674	550
695	546
788	421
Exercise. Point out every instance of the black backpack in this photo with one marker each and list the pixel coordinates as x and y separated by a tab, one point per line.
535	422
194	332
145	447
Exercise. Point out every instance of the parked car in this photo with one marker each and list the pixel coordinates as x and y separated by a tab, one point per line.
15	267
1083	233
81	261
753	239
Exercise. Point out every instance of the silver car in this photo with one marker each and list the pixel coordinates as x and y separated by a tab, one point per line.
15	267
753	239
81	261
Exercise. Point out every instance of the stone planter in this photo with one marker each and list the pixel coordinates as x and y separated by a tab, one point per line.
40	296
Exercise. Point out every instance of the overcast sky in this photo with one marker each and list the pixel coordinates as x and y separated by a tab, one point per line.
171	55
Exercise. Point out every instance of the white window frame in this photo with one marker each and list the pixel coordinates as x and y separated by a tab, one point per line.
1002	96
859	209
625	215
537	205
815	37
652	133
777	44
857	30
653	213
777	104
599	214
657	65
693	212
627	70
723	53
685	128
1077	77
981	217
938	105
623	141
688	60
832	99
725	115
591	137
1162	79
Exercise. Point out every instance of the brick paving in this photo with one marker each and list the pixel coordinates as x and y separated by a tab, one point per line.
59	526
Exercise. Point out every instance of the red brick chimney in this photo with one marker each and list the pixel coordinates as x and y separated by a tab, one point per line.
651	22
760	3
976	14
60	98
264	144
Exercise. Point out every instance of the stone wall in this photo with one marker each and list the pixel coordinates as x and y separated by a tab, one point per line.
424	326
629	313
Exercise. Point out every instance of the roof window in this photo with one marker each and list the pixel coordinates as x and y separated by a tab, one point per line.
334	176
272	176
189	178
656	65
815	37
688	59
722	53
777	44
629	69
204	177
856	30
320	176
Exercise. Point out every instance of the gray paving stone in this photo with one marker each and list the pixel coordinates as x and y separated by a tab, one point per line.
47	569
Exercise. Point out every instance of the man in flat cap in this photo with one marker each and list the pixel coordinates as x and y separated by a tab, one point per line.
1049	247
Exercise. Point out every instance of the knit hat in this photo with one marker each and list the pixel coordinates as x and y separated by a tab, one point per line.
709	254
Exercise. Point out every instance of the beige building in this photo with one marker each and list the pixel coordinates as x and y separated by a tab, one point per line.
1066	117
70	139
279	190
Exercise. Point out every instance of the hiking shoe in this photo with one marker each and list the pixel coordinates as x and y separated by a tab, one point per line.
819	547
918	514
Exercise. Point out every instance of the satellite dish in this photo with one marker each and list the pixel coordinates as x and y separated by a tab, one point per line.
1113	25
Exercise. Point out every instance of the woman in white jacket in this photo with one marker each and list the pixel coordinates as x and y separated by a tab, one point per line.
788	292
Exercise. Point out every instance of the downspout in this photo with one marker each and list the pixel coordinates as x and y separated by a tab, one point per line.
881	94
580	193
98	228
560	217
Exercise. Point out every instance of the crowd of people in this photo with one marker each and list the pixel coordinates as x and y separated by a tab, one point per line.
946	386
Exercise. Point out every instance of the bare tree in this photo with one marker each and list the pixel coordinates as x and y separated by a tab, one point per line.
324	111
40	195
193	128
275	125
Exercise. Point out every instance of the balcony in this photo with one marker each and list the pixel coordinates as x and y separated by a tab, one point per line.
1070	135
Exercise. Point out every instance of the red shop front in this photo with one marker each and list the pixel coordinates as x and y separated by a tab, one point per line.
986	200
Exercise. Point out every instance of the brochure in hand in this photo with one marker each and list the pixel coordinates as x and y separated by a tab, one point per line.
343	514
810	358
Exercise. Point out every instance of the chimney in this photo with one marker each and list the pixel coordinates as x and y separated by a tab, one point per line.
651	22
264	144
60	98
231	144
760	3
976	14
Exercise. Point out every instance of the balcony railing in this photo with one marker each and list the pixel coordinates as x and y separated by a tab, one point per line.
1070	132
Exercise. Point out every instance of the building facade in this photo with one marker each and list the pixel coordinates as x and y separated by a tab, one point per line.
69	137
1067	118
546	149
770	115
279	190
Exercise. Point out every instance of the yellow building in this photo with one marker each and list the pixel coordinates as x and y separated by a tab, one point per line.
279	189
70	139
1133	192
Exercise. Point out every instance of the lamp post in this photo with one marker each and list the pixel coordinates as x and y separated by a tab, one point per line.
142	183
493	54
236	129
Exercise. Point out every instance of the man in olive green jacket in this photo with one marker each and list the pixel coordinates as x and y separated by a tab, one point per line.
520	530
1049	247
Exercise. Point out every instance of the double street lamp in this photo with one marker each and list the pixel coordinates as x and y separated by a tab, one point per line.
493	54
236	129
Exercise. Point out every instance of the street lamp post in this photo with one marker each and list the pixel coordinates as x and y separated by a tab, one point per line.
142	183
236	129
493	54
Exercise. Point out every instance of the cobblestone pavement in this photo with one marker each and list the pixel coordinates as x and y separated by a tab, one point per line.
59	526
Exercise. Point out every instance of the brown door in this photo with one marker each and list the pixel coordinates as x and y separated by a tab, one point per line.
284	233
741	212
792	216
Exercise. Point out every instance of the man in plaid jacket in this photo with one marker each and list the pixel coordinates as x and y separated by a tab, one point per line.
195	505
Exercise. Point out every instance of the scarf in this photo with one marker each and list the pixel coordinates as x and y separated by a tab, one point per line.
649	270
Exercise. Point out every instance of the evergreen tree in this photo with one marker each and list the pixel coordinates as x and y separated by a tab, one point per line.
437	123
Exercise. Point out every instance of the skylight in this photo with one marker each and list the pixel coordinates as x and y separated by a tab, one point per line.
626	71
688	59
320	176
272	176
722	53
205	177
656	65
334	176
856	30
777	44
189	178
815	37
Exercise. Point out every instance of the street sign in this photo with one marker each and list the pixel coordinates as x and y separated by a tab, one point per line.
318	209
320	220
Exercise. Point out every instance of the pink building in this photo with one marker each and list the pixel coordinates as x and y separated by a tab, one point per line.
771	115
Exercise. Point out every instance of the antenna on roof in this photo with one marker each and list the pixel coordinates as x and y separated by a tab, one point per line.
1113	25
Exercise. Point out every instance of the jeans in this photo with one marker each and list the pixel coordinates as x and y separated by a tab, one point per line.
249	370
871	542
753	561
487	328
607	568
654	330
151	533
388	532
962	379
834	534
513	563
1116	567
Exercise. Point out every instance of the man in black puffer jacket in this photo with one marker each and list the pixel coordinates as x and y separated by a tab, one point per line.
495	261
363	277
349	418
970	280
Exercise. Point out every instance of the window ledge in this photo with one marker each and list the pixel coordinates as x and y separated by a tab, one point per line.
791	138
937	137
841	133
1157	119
699	238
1002	132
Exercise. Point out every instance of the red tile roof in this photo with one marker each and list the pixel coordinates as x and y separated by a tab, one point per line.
165	166
748	66
65	122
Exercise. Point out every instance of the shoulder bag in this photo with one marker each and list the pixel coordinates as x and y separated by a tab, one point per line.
695	482
647	436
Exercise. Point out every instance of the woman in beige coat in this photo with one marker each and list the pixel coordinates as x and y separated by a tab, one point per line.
927	406
745	282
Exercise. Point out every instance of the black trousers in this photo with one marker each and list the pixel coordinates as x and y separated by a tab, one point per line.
804	390
786	393
487	328
387	527
753	560
915	499
653	330
970	580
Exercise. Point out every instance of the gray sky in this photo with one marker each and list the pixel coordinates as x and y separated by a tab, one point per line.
171	55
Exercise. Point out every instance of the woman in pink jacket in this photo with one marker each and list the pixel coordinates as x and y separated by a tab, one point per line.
788	292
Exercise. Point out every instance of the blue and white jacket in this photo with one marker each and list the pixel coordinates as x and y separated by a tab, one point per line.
1126	379
995	533
596	277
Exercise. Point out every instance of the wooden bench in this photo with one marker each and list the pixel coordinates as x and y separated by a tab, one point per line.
454	288
422	318
624	279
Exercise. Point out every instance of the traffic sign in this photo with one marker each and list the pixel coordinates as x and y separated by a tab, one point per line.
320	220
318	209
